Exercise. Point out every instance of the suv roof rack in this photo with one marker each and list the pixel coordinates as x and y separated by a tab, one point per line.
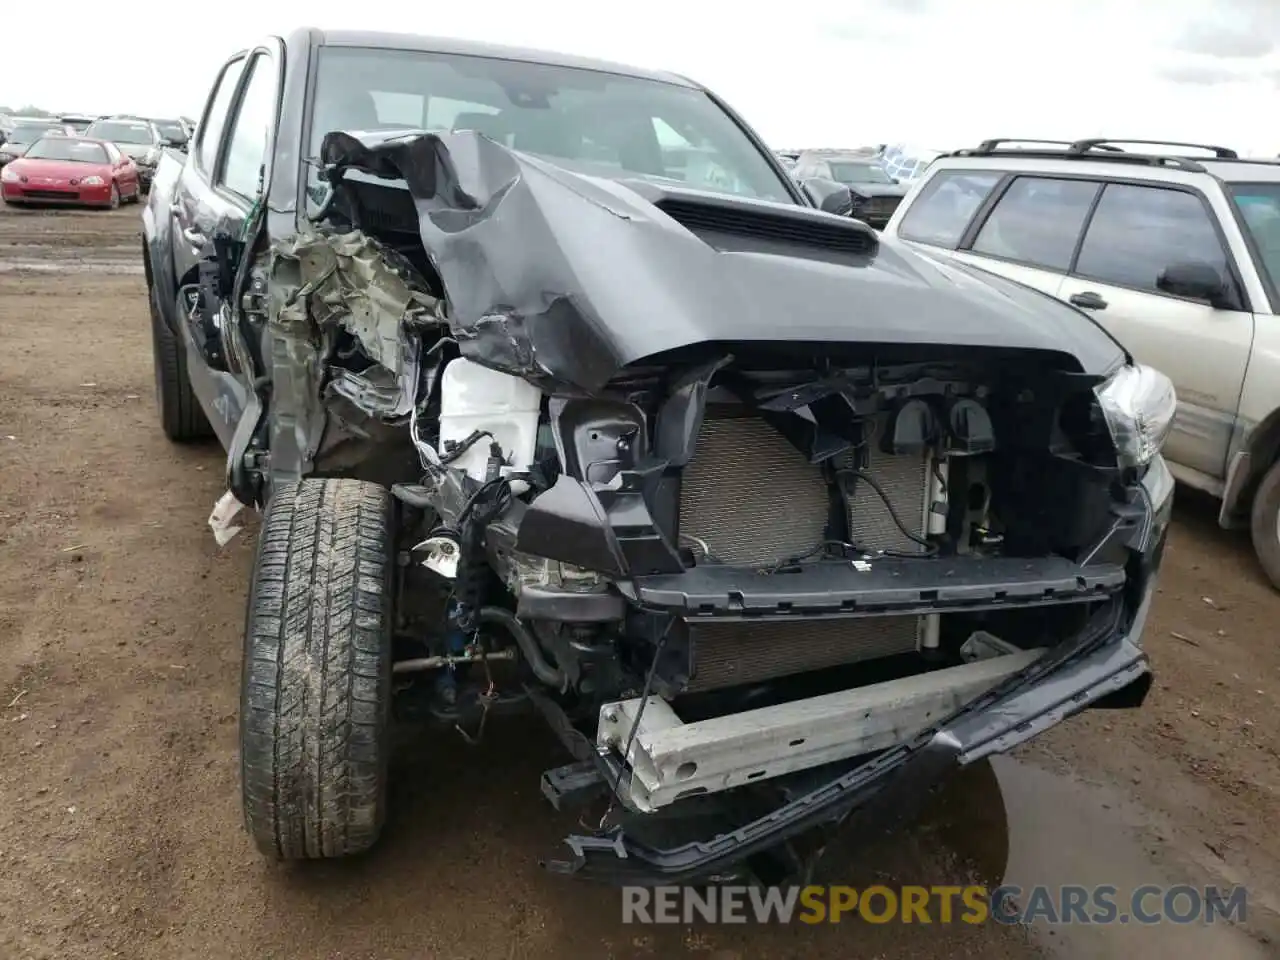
992	146
1102	149
1108	143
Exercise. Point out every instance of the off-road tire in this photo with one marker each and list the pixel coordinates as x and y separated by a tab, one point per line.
1264	524
316	687
180	415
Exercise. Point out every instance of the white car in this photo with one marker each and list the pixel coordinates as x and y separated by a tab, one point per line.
1175	250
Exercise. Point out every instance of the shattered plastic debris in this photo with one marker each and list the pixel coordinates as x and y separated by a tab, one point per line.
220	521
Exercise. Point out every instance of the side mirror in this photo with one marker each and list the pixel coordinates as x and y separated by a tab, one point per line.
1198	281
828	195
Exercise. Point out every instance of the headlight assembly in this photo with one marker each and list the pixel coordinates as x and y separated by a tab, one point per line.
1139	404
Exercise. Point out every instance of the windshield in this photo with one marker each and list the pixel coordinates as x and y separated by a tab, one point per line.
121	131
597	123
64	148
171	130
846	172
1259	205
30	132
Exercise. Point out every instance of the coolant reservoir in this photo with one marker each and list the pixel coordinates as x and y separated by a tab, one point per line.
473	398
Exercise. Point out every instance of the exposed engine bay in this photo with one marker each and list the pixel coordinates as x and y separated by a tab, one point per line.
715	542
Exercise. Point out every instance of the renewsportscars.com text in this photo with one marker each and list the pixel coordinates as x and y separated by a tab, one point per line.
1066	904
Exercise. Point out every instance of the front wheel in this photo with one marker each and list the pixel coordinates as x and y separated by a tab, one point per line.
114	202
1265	524
316	687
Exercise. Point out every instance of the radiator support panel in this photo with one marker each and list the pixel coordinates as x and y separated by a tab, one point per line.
749	498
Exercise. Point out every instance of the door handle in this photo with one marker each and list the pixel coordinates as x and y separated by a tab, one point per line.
193	237
175	208
1088	300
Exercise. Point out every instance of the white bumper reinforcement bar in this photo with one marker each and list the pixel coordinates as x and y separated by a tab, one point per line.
671	760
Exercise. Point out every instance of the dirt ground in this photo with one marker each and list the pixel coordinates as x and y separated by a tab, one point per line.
120	827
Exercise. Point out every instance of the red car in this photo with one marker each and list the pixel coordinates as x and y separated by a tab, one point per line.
70	170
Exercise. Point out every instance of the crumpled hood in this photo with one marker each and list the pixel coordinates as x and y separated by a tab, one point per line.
556	275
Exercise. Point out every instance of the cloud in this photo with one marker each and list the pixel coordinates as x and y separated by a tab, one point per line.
1227	42
1201	74
1237	29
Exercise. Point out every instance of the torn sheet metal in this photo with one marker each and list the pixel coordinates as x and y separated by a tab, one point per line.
562	277
349	281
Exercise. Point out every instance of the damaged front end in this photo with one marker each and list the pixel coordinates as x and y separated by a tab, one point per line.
763	515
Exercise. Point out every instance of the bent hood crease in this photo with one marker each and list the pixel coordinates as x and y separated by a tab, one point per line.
558	276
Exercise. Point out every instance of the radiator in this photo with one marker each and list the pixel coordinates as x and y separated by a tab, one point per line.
752	498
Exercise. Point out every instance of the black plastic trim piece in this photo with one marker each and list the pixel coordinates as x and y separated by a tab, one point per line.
838	589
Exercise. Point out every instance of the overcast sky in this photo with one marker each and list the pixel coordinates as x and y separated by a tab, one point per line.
940	73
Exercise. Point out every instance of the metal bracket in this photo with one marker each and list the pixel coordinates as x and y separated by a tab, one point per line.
670	760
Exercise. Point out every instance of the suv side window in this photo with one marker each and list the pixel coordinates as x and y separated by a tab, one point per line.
1037	222
215	118
946	204
1138	232
247	142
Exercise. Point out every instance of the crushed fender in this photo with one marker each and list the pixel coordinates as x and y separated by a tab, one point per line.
326	284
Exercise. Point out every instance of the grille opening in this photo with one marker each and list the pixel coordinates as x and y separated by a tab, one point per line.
754	499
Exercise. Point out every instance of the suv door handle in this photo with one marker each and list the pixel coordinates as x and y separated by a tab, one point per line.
193	237
1088	300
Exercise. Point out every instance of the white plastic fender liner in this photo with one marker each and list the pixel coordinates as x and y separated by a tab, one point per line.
671	760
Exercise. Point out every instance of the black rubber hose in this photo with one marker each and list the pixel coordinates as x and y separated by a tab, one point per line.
528	644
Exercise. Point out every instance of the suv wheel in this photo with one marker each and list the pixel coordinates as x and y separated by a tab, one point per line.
316	687
180	413
1265	524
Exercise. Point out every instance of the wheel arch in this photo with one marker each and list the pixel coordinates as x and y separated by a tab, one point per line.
1259	450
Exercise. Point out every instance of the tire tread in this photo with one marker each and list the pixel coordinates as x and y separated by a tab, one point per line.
318	671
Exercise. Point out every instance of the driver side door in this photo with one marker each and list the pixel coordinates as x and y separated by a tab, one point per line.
1136	232
219	187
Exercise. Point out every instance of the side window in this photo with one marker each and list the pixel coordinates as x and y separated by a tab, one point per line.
1037	222
247	143
112	153
944	207
216	116
1138	232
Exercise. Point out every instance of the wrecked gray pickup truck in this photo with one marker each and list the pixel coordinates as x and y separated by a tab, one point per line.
557	394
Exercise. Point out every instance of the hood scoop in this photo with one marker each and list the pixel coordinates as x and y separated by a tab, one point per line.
717	219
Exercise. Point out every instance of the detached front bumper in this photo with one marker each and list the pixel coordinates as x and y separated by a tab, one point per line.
1105	661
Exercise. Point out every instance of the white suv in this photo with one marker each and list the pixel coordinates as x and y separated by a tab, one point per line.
1177	255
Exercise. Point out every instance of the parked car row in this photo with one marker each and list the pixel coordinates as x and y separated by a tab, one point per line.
874	194
81	160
